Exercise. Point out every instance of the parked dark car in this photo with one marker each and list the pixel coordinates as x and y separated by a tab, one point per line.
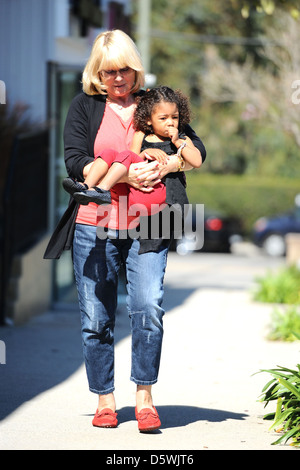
269	232
207	231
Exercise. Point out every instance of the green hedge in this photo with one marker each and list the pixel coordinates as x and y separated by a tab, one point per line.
245	197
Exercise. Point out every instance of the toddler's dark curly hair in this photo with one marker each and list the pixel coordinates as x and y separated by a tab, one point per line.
147	103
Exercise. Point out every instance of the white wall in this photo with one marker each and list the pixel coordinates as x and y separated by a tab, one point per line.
27	29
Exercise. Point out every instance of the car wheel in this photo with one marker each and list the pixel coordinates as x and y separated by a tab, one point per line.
274	245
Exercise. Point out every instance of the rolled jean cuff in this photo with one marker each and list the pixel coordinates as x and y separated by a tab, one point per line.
102	392
143	382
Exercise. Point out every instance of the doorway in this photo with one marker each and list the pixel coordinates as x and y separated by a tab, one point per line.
64	85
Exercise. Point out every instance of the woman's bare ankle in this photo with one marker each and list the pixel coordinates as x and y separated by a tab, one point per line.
144	397
107	401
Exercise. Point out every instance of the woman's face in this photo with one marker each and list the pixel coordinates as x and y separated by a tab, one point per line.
119	83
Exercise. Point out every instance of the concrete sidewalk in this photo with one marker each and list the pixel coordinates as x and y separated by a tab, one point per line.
206	394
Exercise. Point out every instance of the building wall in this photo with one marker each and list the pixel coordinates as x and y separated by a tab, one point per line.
26	43
34	33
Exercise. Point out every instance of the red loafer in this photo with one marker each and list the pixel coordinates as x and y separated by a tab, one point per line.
105	419
148	420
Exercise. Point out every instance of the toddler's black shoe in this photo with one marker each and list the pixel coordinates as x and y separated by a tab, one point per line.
97	195
72	186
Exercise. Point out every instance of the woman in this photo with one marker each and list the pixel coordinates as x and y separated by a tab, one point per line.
101	118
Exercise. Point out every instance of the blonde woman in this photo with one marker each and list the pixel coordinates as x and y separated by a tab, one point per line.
102	118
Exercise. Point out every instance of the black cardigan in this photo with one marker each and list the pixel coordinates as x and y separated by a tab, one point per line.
82	123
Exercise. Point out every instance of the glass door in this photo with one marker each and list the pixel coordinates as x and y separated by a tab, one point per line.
64	84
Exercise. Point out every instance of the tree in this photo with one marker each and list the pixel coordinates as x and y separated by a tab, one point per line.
269	7
180	30
238	77
265	92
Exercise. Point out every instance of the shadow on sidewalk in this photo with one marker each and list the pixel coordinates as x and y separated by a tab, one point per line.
39	355
176	416
173	416
175	297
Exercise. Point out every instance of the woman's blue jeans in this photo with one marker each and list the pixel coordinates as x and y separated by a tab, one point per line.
96	266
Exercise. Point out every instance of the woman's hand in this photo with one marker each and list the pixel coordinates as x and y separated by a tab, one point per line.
170	167
173	165
144	175
155	154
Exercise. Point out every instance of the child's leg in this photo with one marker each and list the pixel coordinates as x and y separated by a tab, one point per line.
100	167
96	173
119	165
98	170
147	203
114	174
119	168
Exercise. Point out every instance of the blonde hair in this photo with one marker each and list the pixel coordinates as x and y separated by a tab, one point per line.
111	50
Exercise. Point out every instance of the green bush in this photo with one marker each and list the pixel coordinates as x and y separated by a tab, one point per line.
244	197
282	287
285	325
284	388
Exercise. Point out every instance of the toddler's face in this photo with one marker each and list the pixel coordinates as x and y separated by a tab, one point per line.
164	118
